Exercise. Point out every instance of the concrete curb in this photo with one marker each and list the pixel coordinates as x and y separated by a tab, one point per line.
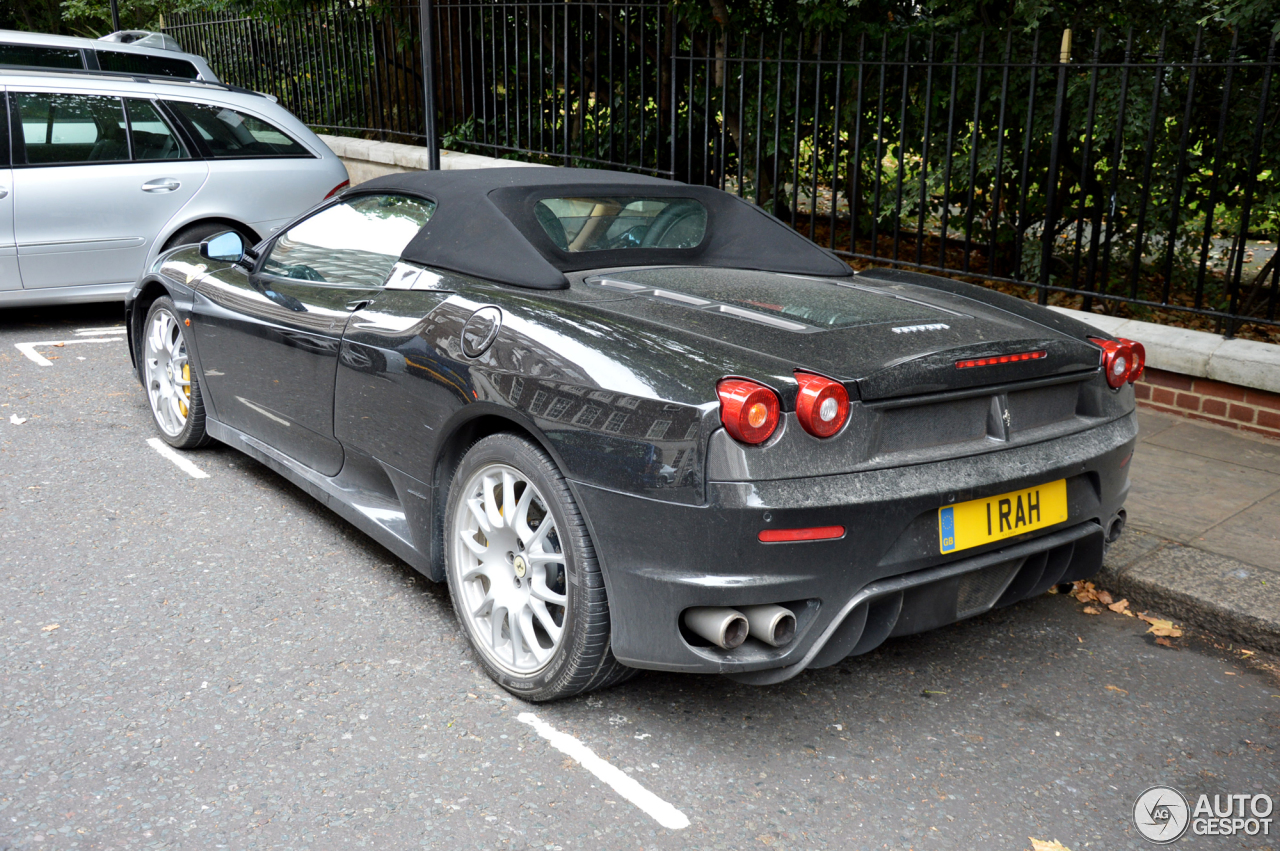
366	159
1195	588
1196	353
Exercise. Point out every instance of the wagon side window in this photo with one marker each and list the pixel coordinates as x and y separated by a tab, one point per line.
352	243
230	134
65	129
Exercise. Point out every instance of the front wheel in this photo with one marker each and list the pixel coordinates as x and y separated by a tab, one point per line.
172	389
523	575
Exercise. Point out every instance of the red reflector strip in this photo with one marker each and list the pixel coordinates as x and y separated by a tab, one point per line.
813	533
991	361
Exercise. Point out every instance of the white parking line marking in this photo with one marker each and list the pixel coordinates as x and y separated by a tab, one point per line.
183	464
93	332
29	349
653	806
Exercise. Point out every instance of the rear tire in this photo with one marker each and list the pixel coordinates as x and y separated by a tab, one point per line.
173	392
523	575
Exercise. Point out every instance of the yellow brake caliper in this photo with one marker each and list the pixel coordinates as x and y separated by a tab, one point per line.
186	390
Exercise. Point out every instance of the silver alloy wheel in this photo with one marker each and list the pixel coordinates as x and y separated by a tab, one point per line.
168	373
508	566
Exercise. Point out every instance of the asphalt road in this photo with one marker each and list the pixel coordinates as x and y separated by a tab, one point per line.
220	663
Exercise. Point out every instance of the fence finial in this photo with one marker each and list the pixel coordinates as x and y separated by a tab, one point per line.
1065	55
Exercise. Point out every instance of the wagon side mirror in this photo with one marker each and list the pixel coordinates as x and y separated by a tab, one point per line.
225	247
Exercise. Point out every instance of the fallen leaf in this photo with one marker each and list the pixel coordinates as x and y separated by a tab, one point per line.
1164	642
1104	598
1161	628
59	345
1085	592
1042	845
1117	688
1246	652
1120	607
1092	610
50	628
17	420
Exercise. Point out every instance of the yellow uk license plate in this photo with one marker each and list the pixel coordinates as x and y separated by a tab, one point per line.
993	518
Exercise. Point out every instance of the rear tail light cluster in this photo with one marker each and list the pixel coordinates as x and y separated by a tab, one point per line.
1123	360
750	411
822	405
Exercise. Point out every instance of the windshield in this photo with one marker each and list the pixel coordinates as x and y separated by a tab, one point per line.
610	223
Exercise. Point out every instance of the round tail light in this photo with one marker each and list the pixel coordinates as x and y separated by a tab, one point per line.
1123	360
822	405
749	411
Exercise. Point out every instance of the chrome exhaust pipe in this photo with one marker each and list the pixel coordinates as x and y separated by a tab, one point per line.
771	624
723	627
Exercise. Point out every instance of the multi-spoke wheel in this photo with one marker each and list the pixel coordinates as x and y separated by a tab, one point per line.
172	389
523	574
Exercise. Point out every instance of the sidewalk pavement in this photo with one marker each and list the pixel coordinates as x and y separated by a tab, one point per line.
1202	543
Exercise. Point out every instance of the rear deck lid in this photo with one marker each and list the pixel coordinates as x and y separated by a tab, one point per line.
890	339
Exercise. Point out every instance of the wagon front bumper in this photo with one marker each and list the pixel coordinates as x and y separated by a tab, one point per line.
885	577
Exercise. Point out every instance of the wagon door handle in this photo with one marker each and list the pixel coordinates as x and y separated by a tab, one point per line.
4	191
163	184
358	304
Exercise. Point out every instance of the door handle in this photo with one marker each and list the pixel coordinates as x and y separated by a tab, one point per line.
163	184
358	304
4	191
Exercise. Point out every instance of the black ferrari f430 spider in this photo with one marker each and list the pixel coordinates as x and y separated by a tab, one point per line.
638	424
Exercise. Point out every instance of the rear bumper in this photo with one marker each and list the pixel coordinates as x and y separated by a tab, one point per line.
885	577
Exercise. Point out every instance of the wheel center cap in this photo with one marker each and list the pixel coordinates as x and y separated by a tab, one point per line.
521	566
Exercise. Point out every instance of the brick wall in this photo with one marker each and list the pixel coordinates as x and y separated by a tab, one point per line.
1211	401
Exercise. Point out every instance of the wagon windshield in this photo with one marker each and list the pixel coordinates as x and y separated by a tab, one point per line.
610	223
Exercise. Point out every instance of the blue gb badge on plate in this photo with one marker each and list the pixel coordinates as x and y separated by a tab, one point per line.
947	528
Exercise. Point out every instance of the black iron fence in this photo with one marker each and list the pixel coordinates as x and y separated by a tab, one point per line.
344	68
1130	172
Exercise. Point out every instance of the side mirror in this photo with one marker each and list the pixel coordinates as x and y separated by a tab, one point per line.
226	247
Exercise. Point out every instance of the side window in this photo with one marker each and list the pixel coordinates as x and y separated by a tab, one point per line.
234	134
63	129
34	56
151	66
153	139
354	243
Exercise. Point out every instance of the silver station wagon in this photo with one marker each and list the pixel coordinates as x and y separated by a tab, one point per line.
100	173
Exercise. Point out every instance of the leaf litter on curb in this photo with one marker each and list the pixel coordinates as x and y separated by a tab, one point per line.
1087	592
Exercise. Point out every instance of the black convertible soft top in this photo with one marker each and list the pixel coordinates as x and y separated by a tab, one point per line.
484	225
